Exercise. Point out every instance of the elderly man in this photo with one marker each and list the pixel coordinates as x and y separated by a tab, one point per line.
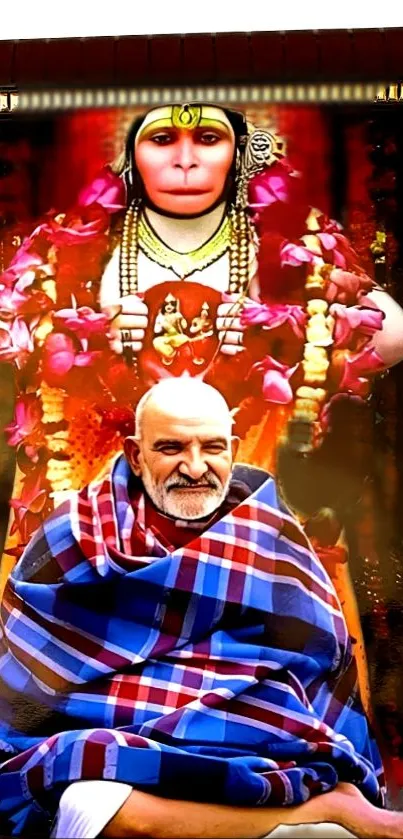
175	661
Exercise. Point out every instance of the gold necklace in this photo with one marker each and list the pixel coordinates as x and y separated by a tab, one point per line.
183	264
234	234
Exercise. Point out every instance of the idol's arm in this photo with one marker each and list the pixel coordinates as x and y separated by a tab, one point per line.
229	324
133	317
388	341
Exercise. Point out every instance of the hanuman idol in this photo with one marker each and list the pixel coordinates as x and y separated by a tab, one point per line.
195	254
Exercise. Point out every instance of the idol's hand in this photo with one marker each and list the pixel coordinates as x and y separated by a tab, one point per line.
127	329
229	327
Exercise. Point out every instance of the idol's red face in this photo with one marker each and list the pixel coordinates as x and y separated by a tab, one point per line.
184	172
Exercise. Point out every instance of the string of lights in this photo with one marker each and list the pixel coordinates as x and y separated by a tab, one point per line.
67	99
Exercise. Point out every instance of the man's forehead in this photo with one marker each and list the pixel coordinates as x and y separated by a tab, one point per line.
184	117
167	424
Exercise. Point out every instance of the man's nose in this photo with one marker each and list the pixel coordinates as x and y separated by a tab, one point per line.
193	466
186	157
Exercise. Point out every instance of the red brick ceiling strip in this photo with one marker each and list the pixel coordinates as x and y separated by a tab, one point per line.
28	54
301	56
393	40
163	60
98	60
369	52
7	50
132	61
198	59
336	59
268	57
233	57
64	63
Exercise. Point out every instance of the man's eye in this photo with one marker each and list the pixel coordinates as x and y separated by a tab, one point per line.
215	448
169	450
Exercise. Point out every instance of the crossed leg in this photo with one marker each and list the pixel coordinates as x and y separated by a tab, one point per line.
139	815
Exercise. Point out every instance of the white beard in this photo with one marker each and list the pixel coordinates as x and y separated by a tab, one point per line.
182	504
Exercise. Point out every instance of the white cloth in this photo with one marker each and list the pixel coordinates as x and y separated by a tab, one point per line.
321	830
86	807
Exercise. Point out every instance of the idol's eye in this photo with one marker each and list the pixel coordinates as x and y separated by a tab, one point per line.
163	138
209	138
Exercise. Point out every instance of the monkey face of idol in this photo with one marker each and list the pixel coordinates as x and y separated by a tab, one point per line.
183	156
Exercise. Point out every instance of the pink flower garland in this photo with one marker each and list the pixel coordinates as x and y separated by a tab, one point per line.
67	340
285	247
274	197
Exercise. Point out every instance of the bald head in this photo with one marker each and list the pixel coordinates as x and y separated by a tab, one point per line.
183	398
183	449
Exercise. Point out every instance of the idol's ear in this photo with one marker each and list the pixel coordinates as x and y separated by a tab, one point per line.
131	448
118	165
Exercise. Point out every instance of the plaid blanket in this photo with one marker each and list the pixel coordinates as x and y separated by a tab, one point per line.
221	671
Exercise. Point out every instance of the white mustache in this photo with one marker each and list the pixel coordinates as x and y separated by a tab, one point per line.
180	481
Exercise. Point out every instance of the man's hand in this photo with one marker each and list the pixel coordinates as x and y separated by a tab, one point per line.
229	327
128	328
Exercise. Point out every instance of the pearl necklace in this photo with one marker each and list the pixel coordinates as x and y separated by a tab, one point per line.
234	234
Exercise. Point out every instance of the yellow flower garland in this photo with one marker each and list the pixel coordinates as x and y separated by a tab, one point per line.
58	472
311	396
